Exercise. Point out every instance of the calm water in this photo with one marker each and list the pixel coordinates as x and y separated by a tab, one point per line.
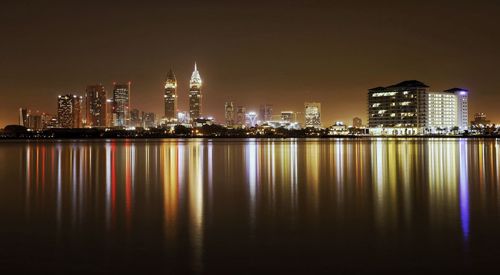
250	205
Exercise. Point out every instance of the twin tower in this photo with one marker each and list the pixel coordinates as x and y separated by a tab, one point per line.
195	97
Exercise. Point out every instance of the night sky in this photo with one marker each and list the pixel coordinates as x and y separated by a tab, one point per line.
277	52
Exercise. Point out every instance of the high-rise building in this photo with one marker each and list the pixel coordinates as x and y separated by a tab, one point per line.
23	117
68	111
442	112
462	96
240	116
110	115
266	112
148	120
195	96
289	116
229	114
170	96
135	118
95	106
357	122
312	112
121	104
49	121
398	109
35	121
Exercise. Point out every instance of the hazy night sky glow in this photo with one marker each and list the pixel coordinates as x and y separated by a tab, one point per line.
277	52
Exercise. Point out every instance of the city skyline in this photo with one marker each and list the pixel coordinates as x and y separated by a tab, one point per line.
279	60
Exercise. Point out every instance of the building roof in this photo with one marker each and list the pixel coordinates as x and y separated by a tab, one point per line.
454	90
171	75
409	84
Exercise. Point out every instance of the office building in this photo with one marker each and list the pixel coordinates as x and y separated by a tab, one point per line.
95	106
69	111
480	120
289	116
240	116
398	109
135	118
266	112
229	114
170	97
462	96
312	112
23	117
442	113
148	120
195	96
121	104
251	119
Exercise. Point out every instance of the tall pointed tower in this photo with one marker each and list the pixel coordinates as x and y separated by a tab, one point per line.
170	96
195	97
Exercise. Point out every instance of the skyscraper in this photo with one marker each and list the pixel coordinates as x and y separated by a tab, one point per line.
121	104
170	96
312	114
266	112
23	117
229	114
68	111
195	96
462	107
95	105
398	109
240	116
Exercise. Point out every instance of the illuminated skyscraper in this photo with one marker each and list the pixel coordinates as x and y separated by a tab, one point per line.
170	96
312	114
68	111
251	119
121	104
110	116
95	106
229	114
195	96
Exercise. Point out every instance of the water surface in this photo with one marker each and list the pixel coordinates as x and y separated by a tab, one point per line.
248	205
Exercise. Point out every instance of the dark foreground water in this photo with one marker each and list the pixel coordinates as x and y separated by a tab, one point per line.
244	206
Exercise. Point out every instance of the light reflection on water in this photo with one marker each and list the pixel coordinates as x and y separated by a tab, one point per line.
195	196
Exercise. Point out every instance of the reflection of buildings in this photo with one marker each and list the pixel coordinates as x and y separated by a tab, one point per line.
312	114
68	111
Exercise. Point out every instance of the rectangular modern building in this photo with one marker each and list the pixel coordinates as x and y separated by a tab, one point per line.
95	106
121	104
399	109
312	111
68	111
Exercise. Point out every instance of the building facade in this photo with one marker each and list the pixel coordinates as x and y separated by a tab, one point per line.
266	112
170	97
240	116
462	96
69	111
398	109
357	122
442	111
229	114
289	116
95	106
195	95
121	104
312	111
23	117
